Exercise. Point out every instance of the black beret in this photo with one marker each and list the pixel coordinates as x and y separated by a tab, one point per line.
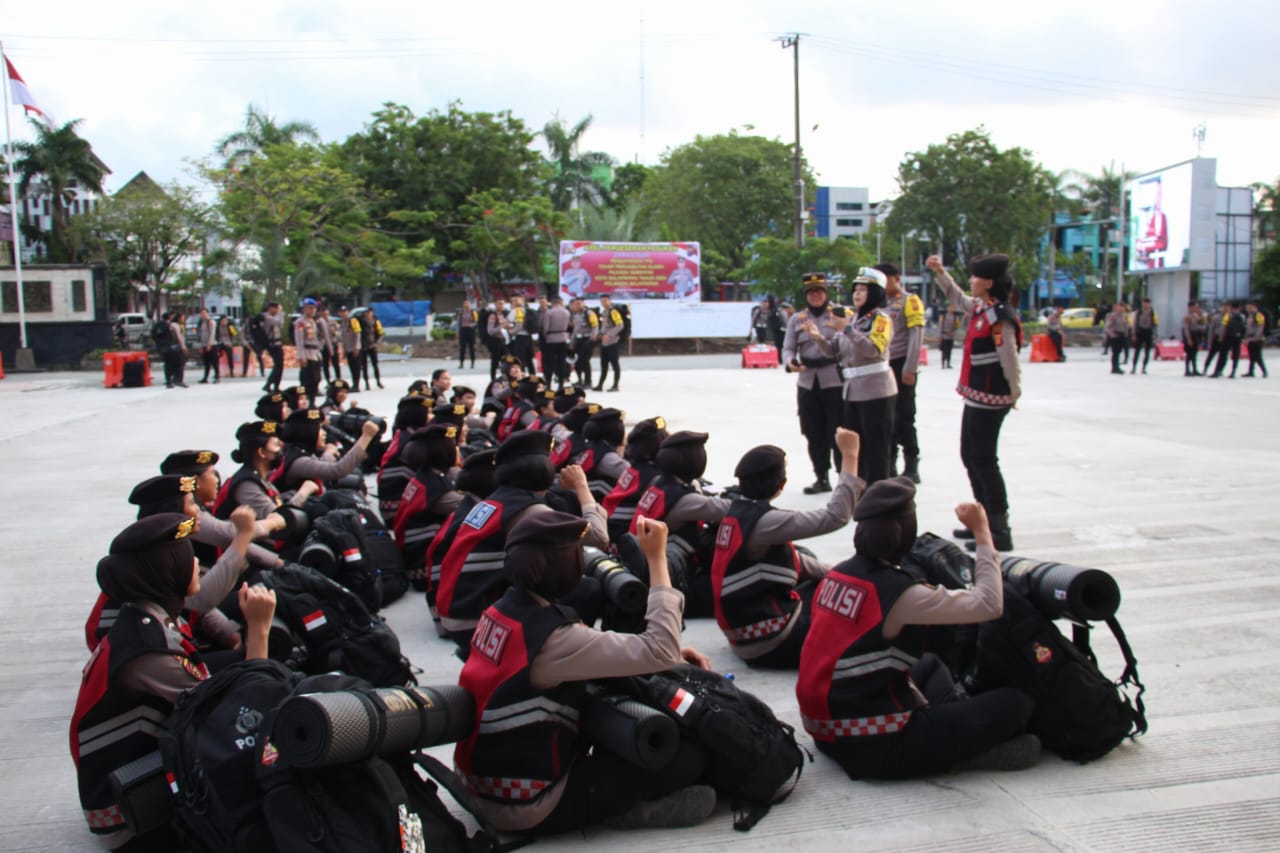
576	418
761	461
418	387
433	433
989	266
147	533
436	445
886	497
415	401
338	385
258	431
304	416
459	390
526	389
547	530
814	279
480	459
189	462
546	395
647	435
604	416
889	270
685	438
524	443
270	407
156	489
295	395
449	413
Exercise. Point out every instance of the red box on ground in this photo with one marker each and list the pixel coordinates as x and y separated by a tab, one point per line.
1170	351
1042	349
113	367
924	356
760	355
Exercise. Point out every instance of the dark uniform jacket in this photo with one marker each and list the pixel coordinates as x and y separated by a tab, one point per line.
755	600
423	508
621	501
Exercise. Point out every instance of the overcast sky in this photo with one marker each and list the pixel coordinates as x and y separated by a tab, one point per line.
1080	84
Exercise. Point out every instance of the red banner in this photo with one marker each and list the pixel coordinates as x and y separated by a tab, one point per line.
630	270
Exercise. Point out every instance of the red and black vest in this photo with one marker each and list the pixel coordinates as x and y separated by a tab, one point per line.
511	417
565	451
621	501
393	475
225	502
982	379
416	522
853	682
112	725
598	482
471	570
664	493
544	423
755	600
440	545
280	476
525	739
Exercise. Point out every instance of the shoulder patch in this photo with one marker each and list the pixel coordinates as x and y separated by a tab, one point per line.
479	514
914	311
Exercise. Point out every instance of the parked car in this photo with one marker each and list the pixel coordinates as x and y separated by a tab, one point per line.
1077	318
137	328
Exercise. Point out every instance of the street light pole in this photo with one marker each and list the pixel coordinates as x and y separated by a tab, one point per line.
793	41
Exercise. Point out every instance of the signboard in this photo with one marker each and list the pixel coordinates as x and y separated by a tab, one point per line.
1171	218
631	271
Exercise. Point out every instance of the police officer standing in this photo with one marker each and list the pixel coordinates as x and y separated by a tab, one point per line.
468	317
819	388
1116	328
521	333
947	333
1255	327
306	342
907	313
556	324
1055	332
1145	323
610	334
585	331
273	322
328	349
350	333
1193	330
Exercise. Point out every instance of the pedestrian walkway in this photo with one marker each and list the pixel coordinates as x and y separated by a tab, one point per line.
1167	482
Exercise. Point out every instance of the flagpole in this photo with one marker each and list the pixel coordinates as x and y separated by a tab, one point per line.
13	206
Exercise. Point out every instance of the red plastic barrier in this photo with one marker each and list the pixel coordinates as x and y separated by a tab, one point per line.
113	367
760	355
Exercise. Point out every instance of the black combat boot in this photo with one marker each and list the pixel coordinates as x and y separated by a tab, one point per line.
820	485
1001	535
911	469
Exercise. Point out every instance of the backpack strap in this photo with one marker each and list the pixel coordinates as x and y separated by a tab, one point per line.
1080	639
1130	676
451	782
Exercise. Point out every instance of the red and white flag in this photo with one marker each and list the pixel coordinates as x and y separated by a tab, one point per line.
22	95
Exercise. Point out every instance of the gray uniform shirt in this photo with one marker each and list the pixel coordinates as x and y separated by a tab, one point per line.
556	323
907	313
1193	326
610	327
864	362
323	470
350	337
799	346
273	323
205	332
1117	325
1255	326
219	532
306	339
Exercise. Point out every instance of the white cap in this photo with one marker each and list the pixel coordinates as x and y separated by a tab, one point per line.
868	275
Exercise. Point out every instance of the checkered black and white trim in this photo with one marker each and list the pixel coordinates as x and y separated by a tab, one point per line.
885	724
758	630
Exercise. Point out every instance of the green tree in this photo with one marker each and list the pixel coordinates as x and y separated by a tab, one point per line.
1100	197
628	184
974	198
508	240
57	164
1266	279
572	182
1266	211
625	224
724	191
260	132
776	266
423	172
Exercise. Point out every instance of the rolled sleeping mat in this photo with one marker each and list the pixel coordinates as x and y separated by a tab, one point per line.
317	554
328	729
143	792
296	523
622	589
633	731
1063	591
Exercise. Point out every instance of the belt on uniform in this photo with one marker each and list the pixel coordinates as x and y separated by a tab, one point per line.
816	362
847	373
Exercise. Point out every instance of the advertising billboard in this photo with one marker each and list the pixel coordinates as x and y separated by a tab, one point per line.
1168	212
631	270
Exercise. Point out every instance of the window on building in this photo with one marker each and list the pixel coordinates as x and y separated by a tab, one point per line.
848	205
37	297
849	223
79	304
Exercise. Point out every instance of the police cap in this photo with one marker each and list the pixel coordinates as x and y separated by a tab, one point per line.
886	498
192	463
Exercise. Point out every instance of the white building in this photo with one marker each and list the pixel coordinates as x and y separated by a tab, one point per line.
842	212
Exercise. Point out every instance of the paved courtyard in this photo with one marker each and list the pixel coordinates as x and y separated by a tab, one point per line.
1171	484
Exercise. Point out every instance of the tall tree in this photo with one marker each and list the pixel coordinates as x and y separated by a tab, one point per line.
615	224
777	266
260	132
974	198
1100	197
509	240
1266	211
573	182
56	164
724	191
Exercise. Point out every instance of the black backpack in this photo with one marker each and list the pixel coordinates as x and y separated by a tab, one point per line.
333	630
381	549
753	757
1236	325
482	328
941	562
625	311
212	749
337	547
258	331
1080	713
161	335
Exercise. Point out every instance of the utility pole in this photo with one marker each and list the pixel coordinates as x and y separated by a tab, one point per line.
793	41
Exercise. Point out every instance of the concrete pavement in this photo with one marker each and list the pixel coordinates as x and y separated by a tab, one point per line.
1169	483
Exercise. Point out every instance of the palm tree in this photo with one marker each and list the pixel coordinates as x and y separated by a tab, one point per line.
1100	197
57	164
573	183
1266	211
614	225
260	132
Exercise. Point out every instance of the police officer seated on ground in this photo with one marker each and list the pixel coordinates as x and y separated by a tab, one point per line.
601	459
544	409
429	498
335	399
272	407
519	412
147	660
258	455
472	547
869	696
476	480
495	395
763	586
413	412
567	432
530	769
304	438
642	445
675	497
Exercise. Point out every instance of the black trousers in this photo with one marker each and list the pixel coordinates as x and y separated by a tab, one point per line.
1228	346
309	377
328	359
904	415
787	655
555	362
944	347
873	421
209	358
1056	338
497	349
1142	343
522	348
466	344
936	738
979	451
821	411
1191	349
609	356
229	352
602	785
174	365
246	353
582	348
1116	342
778	338
355	363
371	358
276	351
1255	357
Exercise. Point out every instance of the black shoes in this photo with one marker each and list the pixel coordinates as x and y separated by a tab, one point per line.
615	388
962	533
599	387
822	484
911	469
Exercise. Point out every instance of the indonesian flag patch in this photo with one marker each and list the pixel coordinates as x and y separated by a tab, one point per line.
351	555
173	783
681	702
314	620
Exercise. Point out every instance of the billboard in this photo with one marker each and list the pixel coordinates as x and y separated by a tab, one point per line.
631	270
1167	217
